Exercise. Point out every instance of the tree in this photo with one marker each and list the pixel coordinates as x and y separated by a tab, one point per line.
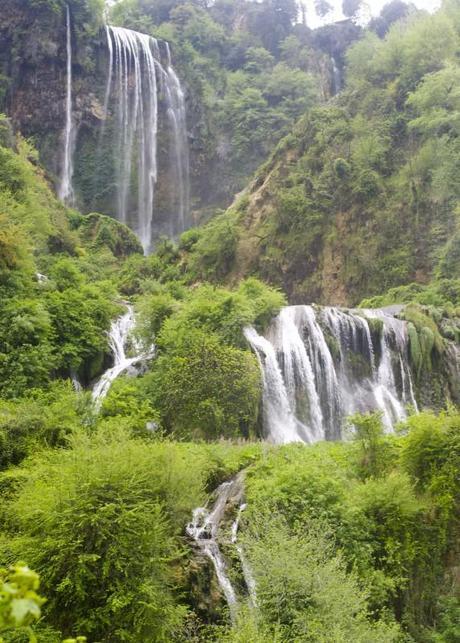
436	101
323	7
206	389
27	352
351	7
20	605
373	450
390	13
272	21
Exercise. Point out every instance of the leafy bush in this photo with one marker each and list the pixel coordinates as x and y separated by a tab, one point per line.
20	604
98	523
212	256
204	389
303	589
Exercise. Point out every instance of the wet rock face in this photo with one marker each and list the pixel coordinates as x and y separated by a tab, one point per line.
33	62
32	95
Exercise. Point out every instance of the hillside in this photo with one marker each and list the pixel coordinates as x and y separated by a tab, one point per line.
362	196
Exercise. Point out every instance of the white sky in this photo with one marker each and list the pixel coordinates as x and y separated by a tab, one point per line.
373	8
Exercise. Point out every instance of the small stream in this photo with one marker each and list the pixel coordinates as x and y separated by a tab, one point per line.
206	528
120	337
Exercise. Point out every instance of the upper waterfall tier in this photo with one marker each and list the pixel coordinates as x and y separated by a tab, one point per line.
137	79
320	365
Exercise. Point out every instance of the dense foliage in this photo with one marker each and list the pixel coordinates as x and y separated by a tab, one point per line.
362	197
353	541
336	533
328	534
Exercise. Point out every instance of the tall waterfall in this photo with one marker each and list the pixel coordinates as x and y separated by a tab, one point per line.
136	81
336	76
65	191
321	365
120	336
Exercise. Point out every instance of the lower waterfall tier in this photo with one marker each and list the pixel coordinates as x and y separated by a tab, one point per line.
320	366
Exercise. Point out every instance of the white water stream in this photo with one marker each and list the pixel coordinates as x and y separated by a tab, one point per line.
65	191
206	528
320	365
120	336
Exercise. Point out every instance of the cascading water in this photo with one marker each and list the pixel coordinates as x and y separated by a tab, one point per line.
180	154
336	76
204	530
136	81
207	530
137	113
119	337
321	365
65	191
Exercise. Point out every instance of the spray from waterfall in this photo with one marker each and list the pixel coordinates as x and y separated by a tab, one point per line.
321	365
65	191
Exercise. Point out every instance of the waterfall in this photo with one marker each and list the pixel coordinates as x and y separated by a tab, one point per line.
120	335
280	423
204	530
336	77
136	82
65	191
320	365
180	155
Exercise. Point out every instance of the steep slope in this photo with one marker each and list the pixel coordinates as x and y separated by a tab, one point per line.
362	196
55	301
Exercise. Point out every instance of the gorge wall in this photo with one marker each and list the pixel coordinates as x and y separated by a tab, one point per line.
240	93
107	113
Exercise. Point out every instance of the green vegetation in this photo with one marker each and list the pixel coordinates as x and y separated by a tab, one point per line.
20	604
361	198
351	541
359	531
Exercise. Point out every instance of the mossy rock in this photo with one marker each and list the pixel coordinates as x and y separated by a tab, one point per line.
415	350
99	230
423	317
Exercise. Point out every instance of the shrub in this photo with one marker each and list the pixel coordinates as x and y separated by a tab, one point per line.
99	523
206	389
